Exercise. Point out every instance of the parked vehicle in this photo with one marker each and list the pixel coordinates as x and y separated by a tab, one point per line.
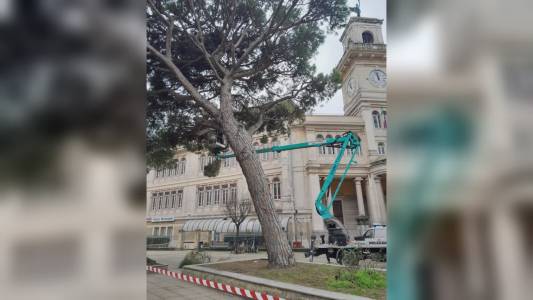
371	245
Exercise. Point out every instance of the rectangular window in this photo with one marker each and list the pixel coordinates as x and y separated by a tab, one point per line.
180	198
160	201
173	201
183	166
170	230
381	148
167	199
233	192
200	197
154	201
156	231
209	196
277	190
225	194
163	231
216	191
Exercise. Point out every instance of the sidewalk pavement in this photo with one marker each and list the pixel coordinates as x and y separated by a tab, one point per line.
160	287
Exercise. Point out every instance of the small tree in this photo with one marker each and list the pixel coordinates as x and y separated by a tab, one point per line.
237	211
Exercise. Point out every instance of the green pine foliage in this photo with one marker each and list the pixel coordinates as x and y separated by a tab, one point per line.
273	84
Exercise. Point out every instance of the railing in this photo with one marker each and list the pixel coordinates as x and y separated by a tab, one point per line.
366	46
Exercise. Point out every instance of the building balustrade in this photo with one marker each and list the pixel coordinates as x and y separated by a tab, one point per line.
366	46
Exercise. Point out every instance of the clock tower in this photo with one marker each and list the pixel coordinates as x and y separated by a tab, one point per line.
364	78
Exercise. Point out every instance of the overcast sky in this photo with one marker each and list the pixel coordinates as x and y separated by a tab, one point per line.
331	51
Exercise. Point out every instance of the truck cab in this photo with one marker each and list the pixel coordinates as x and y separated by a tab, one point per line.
375	234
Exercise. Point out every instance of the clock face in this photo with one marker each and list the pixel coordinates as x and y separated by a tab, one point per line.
351	86
378	78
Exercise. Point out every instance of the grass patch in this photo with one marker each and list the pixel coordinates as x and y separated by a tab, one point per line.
361	282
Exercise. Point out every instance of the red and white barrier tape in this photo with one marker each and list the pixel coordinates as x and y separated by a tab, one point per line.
250	294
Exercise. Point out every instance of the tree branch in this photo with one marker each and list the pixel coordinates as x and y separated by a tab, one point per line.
199	42
204	103
168	49
257	124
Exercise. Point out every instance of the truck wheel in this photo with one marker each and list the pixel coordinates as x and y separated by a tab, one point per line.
380	256
339	257
348	257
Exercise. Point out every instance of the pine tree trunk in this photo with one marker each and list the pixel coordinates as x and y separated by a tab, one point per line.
277	245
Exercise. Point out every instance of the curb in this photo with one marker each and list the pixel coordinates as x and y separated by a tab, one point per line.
301	291
250	294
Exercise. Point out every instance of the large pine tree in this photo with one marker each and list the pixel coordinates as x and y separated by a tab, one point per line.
235	68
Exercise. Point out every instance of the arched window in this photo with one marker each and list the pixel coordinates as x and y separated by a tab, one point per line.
377	119
381	148
385	119
276	189
330	150
321	150
368	38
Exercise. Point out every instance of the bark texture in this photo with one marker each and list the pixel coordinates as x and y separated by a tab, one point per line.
278	249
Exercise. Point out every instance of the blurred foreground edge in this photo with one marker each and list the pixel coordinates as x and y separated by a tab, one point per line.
461	198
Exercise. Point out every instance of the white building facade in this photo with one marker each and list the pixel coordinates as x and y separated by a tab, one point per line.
188	207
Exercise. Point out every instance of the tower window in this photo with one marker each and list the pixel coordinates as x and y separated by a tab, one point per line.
368	38
381	148
376	118
276	189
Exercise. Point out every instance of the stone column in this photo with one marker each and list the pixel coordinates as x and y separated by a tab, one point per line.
509	256
359	195
380	201
314	190
371	201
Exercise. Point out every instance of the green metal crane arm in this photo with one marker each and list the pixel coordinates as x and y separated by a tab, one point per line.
347	141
